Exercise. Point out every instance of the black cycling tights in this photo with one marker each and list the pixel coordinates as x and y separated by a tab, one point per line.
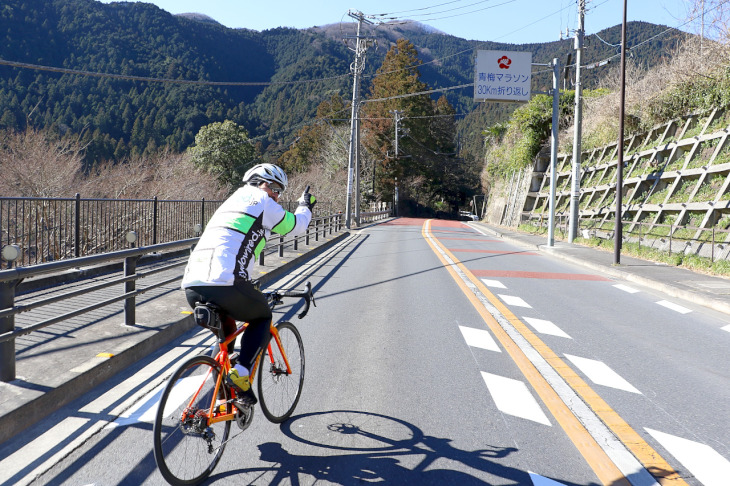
243	303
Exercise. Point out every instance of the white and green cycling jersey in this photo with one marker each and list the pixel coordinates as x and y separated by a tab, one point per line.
236	234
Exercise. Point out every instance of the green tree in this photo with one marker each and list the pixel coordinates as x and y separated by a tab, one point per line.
311	138
223	150
397	78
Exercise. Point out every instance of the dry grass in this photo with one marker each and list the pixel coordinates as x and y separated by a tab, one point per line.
646	93
37	164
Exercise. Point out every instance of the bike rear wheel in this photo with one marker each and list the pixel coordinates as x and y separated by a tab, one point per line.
279	391
186	446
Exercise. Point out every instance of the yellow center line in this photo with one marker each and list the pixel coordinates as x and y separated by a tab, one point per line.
596	457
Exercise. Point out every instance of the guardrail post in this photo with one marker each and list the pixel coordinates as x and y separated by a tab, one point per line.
7	324
296	243
306	238
202	214
154	220
281	246
130	268
77	227
316	230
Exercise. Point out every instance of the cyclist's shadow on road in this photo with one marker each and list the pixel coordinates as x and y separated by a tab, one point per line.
351	447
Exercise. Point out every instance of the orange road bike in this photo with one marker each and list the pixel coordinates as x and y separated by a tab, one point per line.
196	408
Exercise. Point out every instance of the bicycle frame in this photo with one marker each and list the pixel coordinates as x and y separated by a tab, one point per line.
215	414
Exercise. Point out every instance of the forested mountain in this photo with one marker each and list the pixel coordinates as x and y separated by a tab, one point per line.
121	115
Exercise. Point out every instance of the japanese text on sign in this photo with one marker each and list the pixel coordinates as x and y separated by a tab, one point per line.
502	76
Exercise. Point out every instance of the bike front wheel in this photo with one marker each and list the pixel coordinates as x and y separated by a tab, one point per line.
280	389
186	445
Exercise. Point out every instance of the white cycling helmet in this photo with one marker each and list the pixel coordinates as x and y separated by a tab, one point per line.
266	173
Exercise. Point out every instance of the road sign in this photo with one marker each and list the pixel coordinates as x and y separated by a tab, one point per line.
502	76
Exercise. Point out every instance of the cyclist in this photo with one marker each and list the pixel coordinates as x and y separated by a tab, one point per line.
220	267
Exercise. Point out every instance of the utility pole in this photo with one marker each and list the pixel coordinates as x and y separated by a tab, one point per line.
618	233
575	186
361	46
554	151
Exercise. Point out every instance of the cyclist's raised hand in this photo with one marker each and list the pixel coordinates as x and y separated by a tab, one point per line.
307	199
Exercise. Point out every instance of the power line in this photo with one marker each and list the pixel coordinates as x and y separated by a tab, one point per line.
419	9
454	9
472	49
126	77
669	29
408	95
470	12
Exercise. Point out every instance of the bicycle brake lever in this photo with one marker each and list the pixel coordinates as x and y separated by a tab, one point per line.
308	297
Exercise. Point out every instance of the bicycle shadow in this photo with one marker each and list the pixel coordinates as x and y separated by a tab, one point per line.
361	447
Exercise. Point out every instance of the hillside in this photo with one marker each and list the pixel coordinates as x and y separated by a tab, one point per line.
118	117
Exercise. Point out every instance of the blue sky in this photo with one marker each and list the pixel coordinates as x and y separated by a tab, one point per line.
509	21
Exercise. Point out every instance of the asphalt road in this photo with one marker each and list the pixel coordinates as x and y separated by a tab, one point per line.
439	355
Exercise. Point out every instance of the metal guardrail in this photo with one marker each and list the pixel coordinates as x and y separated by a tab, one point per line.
328	223
374	216
11	278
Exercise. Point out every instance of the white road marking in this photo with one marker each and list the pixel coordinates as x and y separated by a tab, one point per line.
626	288
546	327
704	462
513	300
599	373
142	411
674	307
479	338
606	439
493	283
538	480
726	328
513	398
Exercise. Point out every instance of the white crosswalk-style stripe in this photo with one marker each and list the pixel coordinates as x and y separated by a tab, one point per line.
726	328
495	284
514	300
599	373
626	288
513	398
674	307
479	338
704	462
546	327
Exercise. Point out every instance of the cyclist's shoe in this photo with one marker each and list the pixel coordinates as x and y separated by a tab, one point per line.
240	383
245	400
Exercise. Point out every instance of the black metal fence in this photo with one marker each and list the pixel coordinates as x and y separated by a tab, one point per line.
51	229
